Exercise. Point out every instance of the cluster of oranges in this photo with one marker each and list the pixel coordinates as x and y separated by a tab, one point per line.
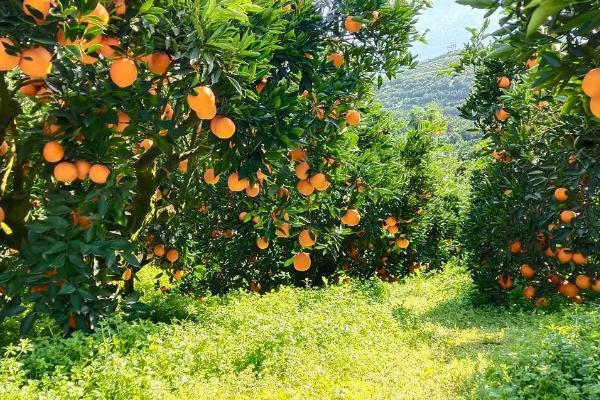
390	224
67	172
591	87
307	184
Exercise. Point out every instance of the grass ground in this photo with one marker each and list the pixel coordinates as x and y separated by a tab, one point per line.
420	339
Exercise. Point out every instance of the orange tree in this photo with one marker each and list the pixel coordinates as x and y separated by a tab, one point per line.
113	112
533	221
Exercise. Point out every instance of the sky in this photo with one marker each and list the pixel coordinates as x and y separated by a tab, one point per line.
446	22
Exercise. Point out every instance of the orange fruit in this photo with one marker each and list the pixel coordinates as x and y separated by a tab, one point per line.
318	180
168	112
210	178
261	176
301	170
549	252
30	89
591	83
127	274
302	262
36	62
595	285
583	281
242	215
236	184
351	218
123	121
307	238
147	144
516	247
253	190
391	221
305	188
579	259
84	221
262	243
353	117
393	229
123	72
99	173
109	43
501	114
159	62
561	194
172	255
351	25
120	7
541	302
298	154
564	255
532	62
177	275
3	148
505	281
222	127
183	166
83	168
65	172
2	214
7	61
595	106
42	6
202	99
337	59
282	230
53	152
159	250
570	290
72	321
529	292
527	271
98	16
402	243
567	216
503	82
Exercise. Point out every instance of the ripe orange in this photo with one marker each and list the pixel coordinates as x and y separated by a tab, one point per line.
2	215
123	72
3	148
253	190
583	281
353	117
127	274
561	194
503	82
202	101
351	25
595	284
549	252
351	218
159	63
532	62
564	255
391	221
305	188
307	238
159	250
402	243
36	62
98	16
7	61
393	229
595	106
210	178
53	152
570	290
529	292
120	7
501	114
283	230
172	255
177	275
83	168
109	43
579	259
516	247
30	89
99	173
591	83
337	59
567	216
42	6
242	215
183	166
236	184
262	243
147	144
301	170
123	121
261	176
222	127
298	154
302	262
527	271
84	221
505	281
65	172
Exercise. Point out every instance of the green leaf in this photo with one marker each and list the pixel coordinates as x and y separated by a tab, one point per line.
482	4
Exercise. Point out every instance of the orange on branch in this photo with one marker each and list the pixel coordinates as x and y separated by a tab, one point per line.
351	25
235	184
172	255
591	83
210	177
202	99
505	281
503	82
127	274
42	6
262	243
53	152
307	238
183	166
579	259
99	173
3	148
109	43
302	262
529	292
253	190
146	144
159	250
564	255
123	72
501	114
351	217
120	7
298	154
283	230
583	281
123	121
567	216
527	271
159	63
570	290
337	59
65	172
36	62
561	194
301	170
2	214
83	168
178	274
305	188
7	61
222	127
98	16
595	106
516	247
353	117
402	243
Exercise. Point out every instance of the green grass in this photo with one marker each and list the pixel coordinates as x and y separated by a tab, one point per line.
420	339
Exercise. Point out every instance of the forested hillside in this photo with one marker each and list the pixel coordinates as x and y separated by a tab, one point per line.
430	85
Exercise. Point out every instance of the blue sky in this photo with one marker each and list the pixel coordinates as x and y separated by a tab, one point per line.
446	22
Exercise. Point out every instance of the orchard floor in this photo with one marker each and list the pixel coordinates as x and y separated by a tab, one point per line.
419	339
